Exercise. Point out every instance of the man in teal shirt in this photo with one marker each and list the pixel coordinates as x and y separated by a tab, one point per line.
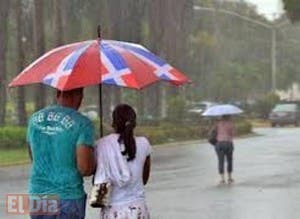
61	147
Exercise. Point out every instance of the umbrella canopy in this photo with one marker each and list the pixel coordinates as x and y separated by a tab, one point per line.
99	62
220	110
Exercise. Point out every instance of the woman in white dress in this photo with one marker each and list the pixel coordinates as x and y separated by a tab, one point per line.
124	161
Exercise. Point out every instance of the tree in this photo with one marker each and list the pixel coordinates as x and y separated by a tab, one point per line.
4	9
169	26
156	25
231	82
21	109
73	19
293	9
227	51
177	23
39	41
58	23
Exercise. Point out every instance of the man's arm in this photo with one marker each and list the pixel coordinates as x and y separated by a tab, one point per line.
85	160
147	168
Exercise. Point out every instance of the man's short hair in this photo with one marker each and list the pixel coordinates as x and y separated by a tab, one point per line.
69	92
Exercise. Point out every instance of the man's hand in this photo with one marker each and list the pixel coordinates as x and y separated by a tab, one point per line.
85	160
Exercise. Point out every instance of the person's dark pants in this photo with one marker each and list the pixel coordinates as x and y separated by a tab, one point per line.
69	209
224	150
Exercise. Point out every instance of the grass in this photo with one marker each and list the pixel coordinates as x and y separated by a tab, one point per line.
259	123
10	157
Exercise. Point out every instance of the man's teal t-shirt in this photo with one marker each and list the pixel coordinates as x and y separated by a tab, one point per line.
53	135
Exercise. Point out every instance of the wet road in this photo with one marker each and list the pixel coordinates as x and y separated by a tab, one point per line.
184	180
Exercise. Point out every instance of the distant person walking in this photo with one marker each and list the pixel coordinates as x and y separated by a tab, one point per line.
123	160
61	148
224	146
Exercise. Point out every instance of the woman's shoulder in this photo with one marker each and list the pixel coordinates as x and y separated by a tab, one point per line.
106	138
142	140
144	145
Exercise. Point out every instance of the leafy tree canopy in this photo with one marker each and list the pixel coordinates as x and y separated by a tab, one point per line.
293	9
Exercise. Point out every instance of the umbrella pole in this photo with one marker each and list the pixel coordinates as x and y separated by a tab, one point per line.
100	111
100	90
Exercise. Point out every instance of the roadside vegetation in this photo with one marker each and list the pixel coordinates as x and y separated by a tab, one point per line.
16	156
13	146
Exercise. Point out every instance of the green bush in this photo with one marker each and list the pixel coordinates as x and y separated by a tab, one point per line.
168	132
12	137
265	105
176	108
154	134
243	127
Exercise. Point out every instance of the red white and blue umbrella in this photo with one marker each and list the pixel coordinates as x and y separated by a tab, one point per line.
99	62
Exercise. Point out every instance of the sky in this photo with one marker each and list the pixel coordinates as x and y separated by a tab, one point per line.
268	7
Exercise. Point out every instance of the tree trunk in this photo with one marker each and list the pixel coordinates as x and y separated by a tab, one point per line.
106	102
39	41
141	104
178	17
169	26
4	6
72	15
157	33
58	22
21	109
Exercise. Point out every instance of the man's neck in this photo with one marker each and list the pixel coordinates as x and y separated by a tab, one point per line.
67	105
